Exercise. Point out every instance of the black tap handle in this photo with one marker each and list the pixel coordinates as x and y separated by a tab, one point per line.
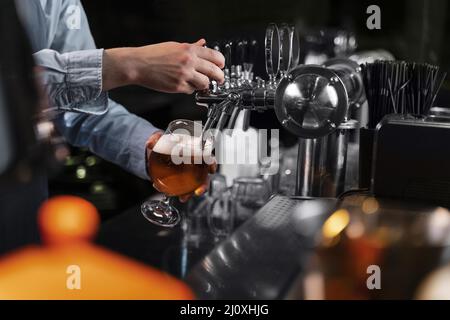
216	46
253	51
240	53
228	48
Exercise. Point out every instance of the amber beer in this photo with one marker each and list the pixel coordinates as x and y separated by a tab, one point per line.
177	179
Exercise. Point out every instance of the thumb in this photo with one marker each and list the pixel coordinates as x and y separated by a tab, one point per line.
151	142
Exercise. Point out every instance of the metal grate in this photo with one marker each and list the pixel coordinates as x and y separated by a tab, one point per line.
260	259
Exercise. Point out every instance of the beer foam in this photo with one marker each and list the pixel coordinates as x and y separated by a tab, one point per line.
175	142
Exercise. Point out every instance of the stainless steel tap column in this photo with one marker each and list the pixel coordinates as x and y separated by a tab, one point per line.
310	101
322	163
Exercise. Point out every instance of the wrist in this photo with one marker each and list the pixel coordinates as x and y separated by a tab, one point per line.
119	68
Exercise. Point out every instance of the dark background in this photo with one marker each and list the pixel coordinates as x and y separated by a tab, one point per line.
414	30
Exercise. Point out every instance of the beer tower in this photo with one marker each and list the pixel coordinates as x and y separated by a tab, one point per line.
311	101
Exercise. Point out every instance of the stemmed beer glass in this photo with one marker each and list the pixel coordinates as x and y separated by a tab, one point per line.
178	165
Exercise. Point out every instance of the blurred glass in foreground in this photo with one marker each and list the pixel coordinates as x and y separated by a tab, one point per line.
370	240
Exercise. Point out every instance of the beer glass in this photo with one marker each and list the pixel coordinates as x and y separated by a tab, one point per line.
178	165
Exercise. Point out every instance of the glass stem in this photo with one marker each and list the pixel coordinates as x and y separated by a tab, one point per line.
168	201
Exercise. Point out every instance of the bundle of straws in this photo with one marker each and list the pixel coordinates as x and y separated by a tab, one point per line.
400	87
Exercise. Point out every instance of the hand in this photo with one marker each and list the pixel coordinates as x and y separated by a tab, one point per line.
168	67
151	142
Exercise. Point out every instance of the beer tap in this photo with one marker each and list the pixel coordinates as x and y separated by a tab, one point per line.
227	71
310	101
214	87
290	89
248	61
272	54
240	91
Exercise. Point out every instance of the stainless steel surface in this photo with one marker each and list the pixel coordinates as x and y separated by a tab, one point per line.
308	161
311	101
241	88
439	114
336	163
260	260
322	163
350	74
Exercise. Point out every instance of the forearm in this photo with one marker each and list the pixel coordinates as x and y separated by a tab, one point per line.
118	68
168	67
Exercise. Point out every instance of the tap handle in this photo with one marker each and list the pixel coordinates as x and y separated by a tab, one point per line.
285	48
216	46
246	122
252	51
272	51
228	54
233	118
241	47
295	46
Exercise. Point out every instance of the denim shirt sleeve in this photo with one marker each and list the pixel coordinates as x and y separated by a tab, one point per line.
73	80
72	74
116	135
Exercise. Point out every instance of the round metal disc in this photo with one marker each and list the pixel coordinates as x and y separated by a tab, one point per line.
311	101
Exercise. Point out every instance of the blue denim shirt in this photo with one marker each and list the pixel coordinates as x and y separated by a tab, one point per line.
63	45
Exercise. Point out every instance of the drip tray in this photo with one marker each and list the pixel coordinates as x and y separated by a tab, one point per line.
265	255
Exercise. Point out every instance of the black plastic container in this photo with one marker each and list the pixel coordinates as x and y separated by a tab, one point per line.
366	138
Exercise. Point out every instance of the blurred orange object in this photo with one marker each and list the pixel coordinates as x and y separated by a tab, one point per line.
69	267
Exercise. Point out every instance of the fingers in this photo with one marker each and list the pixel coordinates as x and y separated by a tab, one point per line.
187	87
185	198
200	43
199	81
212	167
210	70
211	55
151	142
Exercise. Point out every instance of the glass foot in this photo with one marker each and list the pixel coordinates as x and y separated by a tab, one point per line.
161	213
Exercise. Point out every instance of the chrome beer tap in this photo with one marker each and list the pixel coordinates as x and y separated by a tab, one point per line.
310	101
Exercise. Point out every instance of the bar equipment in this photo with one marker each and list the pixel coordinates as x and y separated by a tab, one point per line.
410	160
297	243
323	44
310	101
396	87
